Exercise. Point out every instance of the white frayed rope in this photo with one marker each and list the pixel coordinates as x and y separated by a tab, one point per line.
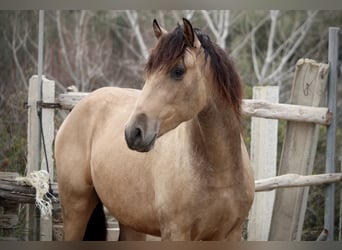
40	181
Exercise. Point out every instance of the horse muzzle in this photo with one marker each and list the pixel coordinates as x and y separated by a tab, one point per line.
141	133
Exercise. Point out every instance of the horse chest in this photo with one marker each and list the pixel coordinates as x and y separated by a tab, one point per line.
203	215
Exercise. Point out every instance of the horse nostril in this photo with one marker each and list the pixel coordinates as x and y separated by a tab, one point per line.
134	136
141	133
137	133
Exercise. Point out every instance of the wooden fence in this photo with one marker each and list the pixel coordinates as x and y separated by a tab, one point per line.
303	114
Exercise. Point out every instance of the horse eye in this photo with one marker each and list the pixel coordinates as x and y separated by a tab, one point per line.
177	72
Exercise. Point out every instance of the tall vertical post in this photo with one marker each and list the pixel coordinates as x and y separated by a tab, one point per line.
299	150
34	131
33	153
330	164
47	94
264	142
47	162
40	48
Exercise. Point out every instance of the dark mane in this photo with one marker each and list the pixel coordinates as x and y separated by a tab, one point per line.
171	48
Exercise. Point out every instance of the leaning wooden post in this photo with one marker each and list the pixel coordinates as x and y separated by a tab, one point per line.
330	163
33	152
48	130
298	153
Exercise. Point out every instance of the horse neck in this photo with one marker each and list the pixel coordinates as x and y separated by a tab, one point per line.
216	140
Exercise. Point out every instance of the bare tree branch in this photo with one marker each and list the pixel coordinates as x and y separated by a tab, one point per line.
63	47
247	37
254	57
269	64
128	45
80	26
14	48
132	16
271	37
218	24
175	16
302	33
210	23
189	14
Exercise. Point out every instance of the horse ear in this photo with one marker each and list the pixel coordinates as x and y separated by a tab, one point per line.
189	35
158	31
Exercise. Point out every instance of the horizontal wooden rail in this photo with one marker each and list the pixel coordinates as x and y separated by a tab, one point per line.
291	112
11	190
295	180
256	108
69	100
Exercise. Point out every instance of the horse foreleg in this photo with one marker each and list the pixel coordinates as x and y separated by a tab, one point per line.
235	234
175	234
176	237
76	213
127	233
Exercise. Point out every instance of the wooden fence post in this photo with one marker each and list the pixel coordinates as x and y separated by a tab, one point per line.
33	152
48	129
264	139
39	228
299	149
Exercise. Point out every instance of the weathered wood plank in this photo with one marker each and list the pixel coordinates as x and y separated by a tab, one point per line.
264	140
8	175
290	112
14	186
299	149
33	150
8	209
48	127
9	238
69	100
256	108
8	221
18	197
295	180
14	191
261	185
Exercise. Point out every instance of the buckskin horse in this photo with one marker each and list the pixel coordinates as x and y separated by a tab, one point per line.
168	160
